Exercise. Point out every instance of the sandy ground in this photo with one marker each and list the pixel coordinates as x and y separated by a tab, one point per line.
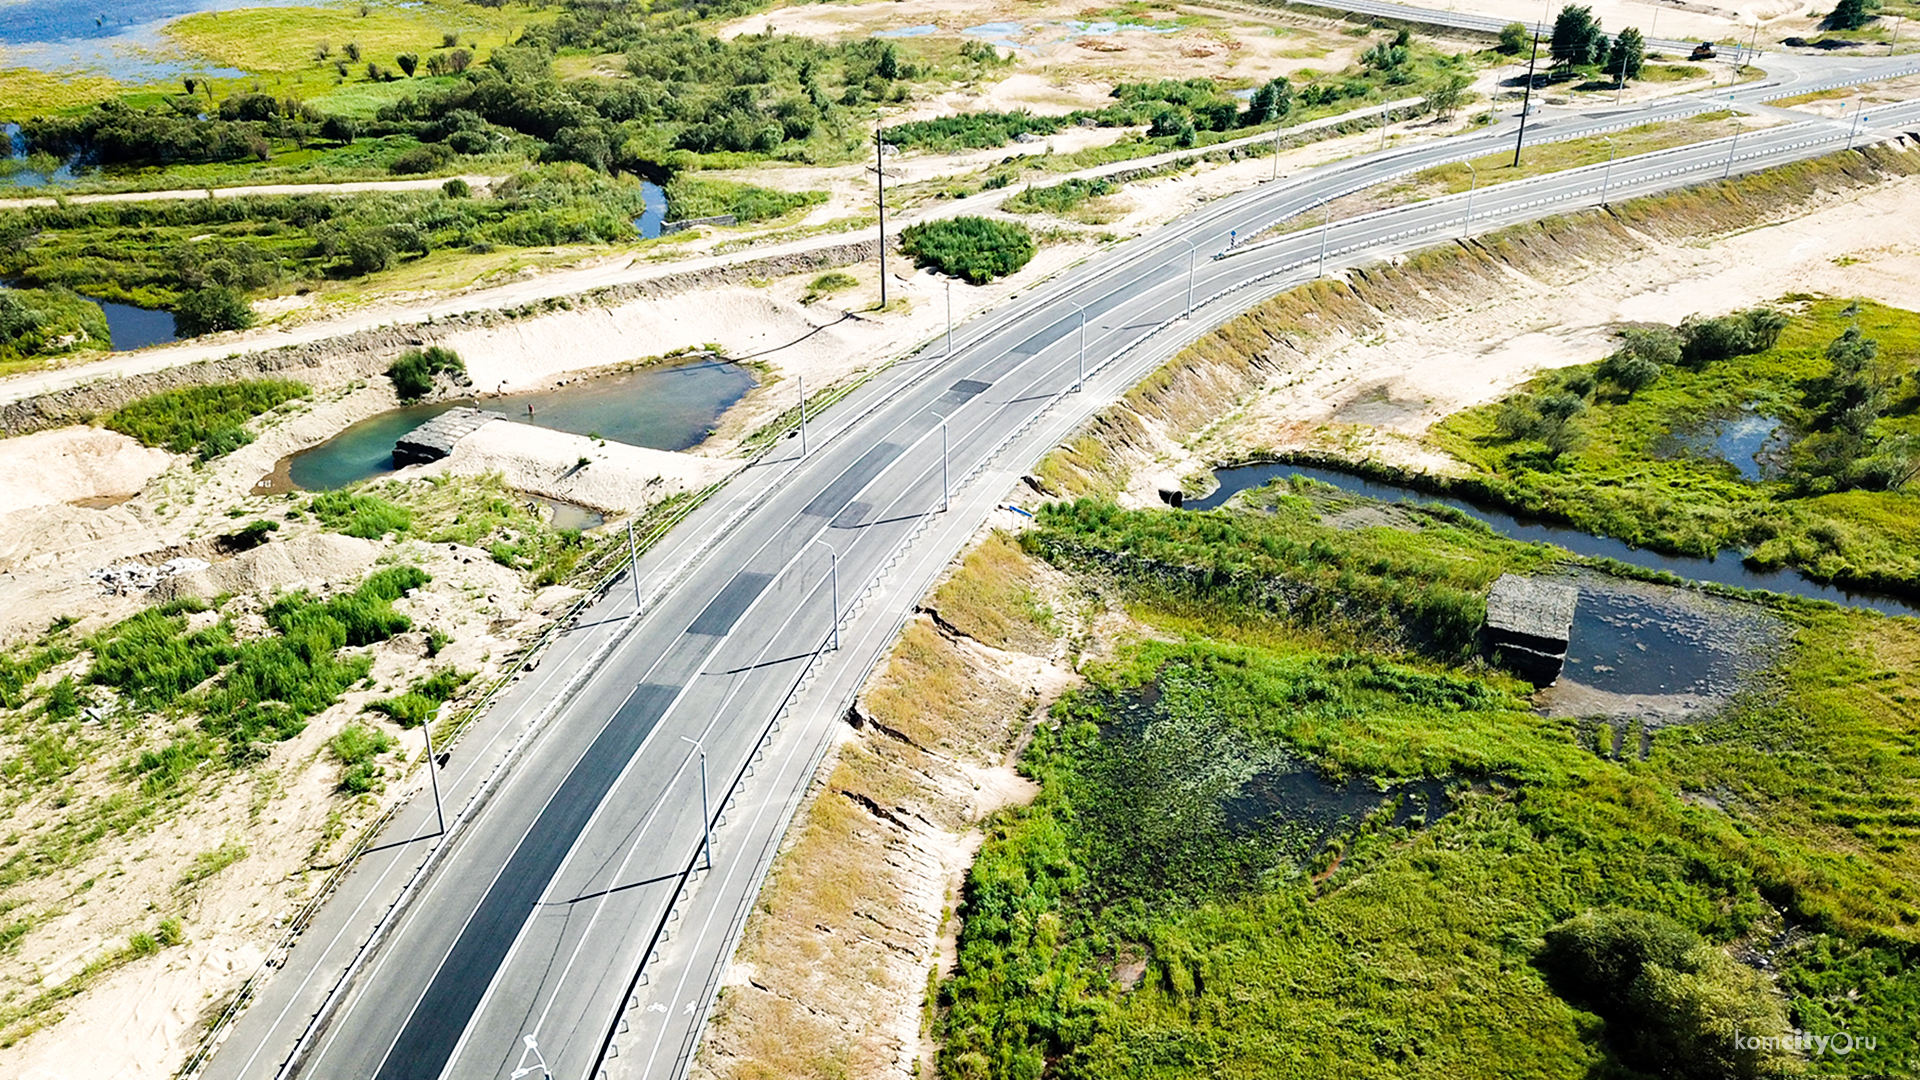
549	463
74	464
1380	393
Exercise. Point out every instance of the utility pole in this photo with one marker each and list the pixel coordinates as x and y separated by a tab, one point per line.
706	811
1383	128
1526	103
880	177
1755	44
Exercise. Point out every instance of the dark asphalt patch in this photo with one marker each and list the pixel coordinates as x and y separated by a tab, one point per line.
444	1011
848	484
726	609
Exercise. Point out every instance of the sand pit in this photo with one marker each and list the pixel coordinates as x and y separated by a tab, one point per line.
74	464
573	468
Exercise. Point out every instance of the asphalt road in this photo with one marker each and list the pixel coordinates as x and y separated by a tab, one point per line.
569	904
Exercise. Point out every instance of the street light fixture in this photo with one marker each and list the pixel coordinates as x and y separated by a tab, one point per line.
707	817
526	1070
836	590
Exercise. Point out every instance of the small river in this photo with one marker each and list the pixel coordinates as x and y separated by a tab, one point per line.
1728	569
665	408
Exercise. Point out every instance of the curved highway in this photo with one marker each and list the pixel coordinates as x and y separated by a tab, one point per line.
572	919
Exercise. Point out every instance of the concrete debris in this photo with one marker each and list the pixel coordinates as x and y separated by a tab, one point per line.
136	577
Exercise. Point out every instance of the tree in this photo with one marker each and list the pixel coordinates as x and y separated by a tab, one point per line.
1850	15
340	129
214	308
1629	55
1447	93
1643	356
408	63
368	250
1270	103
353	51
1577	37
1514	38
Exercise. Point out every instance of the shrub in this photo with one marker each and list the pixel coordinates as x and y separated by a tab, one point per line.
366	516
456	188
207	420
357	743
413	372
1743	333
1514	38
974	248
48	322
688	198
1059	198
211	309
422	699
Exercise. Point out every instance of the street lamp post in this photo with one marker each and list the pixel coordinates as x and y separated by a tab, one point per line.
1466	224
949	316
706	810
946	469
1191	250
1325	224
1276	154
1606	179
835	572
1858	111
433	777
1731	147
633	565
1081	381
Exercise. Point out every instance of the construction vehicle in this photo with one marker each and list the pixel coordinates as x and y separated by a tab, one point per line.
1702	51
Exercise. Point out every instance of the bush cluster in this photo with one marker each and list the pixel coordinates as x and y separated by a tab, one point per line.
206	421
973	248
49	322
412	373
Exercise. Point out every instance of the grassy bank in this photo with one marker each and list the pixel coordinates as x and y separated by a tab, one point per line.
1142	919
1641	466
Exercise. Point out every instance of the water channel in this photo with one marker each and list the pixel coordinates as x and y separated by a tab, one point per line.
1727	569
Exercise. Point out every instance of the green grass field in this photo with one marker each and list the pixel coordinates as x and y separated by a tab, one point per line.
1135	921
1627	481
284	40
